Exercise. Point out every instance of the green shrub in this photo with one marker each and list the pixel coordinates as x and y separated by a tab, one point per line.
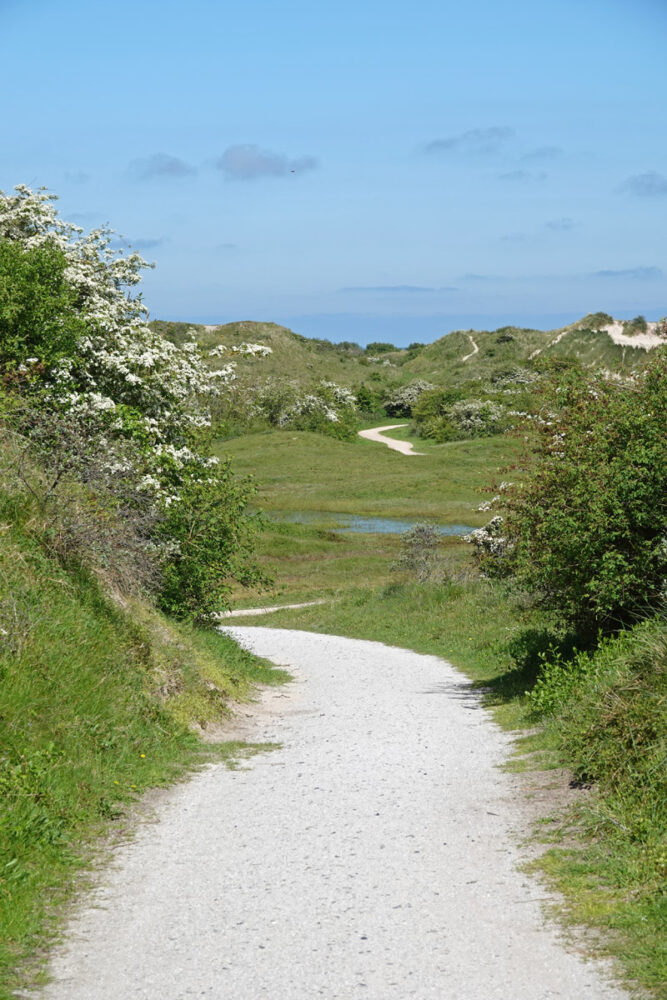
210	534
587	525
38	319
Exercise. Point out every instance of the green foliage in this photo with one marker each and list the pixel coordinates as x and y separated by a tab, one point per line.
613	724
212	536
588	525
379	347
367	400
400	402
559	677
593	321
446	415
38	318
636	325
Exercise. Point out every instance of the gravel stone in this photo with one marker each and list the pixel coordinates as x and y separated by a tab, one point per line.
373	856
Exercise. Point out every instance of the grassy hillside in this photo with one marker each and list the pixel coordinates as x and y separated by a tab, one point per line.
292	356
97	701
448	361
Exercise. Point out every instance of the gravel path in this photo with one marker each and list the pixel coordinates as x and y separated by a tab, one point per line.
371	857
375	434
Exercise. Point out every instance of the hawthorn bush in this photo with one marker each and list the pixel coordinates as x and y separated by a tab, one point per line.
109	420
587	529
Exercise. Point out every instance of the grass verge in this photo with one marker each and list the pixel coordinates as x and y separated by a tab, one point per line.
97	698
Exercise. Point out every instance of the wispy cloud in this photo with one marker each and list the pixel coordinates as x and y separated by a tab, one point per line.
481	277
160	165
76	177
515	238
631	273
248	162
562	225
542	153
522	176
410	289
474	142
87	218
148	243
145	243
226	247
649	185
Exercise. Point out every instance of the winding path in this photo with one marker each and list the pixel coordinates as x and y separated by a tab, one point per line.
376	434
475	349
371	857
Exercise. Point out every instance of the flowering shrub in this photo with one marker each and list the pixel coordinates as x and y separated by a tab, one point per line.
490	540
328	408
441	414
75	342
401	402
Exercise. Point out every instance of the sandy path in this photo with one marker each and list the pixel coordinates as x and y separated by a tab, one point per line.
375	434
371	857
245	612
475	350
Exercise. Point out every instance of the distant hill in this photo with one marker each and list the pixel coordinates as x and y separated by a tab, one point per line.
596	341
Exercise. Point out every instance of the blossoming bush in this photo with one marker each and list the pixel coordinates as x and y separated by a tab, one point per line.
75	344
327	408
401	402
443	415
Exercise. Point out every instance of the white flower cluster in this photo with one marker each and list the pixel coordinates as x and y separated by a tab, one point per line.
217	351
121	362
309	404
471	415
126	380
489	540
342	396
251	350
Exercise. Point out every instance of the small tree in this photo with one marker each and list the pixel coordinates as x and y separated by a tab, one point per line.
588	527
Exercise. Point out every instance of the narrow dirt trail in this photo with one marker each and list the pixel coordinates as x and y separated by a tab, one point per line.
371	856
376	434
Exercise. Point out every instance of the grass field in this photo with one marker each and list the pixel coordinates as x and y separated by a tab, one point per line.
302	471
298	471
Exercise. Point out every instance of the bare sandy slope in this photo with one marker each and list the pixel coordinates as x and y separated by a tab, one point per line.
647	340
376	434
372	856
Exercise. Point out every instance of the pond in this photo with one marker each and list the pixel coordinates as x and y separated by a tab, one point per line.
360	523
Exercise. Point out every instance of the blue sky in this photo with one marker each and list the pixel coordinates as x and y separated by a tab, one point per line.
358	171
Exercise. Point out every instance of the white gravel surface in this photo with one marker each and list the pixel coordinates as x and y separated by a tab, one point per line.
371	857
